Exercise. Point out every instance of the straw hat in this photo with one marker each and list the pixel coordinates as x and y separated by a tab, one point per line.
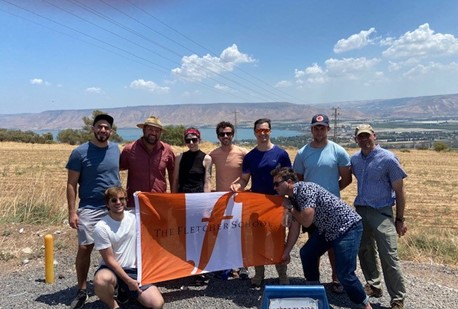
151	121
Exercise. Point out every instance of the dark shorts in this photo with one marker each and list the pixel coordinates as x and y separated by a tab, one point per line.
121	285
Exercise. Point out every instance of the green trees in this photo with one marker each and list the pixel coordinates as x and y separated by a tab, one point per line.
79	136
173	135
25	137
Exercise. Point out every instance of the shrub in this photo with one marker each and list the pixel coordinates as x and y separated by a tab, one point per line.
440	146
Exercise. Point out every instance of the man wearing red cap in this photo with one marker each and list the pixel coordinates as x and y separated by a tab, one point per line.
325	163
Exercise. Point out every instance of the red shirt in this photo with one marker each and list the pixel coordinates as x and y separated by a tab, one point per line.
146	171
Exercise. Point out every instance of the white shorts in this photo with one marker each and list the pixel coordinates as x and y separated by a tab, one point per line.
87	218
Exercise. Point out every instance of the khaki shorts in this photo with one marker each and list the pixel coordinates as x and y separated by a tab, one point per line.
87	218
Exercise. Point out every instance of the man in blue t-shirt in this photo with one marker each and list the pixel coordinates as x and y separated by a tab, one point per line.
92	167
257	165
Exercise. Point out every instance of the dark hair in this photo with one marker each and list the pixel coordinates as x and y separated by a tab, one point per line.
224	124
262	120
285	173
113	192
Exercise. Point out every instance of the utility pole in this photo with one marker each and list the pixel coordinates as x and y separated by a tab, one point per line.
235	125
335	113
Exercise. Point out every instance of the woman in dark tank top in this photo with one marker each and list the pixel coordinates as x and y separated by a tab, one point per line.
192	168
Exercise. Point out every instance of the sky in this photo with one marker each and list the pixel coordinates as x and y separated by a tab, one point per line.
96	54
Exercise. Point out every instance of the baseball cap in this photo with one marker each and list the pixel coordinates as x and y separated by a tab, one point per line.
364	128
105	117
320	120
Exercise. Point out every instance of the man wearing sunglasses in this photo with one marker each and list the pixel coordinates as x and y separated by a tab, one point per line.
115	281
257	165
228	160
338	227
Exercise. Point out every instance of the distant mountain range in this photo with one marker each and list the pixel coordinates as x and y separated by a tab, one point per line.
425	107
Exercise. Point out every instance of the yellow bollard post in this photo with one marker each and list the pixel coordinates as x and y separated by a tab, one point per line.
49	259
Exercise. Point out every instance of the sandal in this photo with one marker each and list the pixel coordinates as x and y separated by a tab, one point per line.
337	288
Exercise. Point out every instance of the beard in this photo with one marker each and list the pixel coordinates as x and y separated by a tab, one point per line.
102	138
151	139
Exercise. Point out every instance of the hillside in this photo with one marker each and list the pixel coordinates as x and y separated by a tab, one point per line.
428	107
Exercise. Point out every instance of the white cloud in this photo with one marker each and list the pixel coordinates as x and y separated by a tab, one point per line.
346	68
283	84
430	68
349	66
93	90
149	86
195	68
355	41
422	42
314	74
39	81
222	87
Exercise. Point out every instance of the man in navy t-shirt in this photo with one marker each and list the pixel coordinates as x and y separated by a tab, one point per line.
92	167
257	165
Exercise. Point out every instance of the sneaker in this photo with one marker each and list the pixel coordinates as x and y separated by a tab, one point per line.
223	274
397	304
79	300
243	273
200	280
257	281
372	291
337	288
284	280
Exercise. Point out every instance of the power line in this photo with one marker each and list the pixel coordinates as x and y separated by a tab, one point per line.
260	91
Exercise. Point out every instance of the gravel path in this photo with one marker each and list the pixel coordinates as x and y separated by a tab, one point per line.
428	286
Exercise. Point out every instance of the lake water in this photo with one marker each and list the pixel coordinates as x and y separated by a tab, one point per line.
208	134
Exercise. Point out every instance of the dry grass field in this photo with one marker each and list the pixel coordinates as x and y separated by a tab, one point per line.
32	201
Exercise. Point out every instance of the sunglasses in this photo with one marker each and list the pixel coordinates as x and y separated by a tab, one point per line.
265	131
223	134
277	183
121	199
189	140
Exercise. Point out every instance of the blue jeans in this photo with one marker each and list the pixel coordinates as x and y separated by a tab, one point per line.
346	250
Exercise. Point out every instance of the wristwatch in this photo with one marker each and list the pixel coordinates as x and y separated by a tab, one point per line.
400	219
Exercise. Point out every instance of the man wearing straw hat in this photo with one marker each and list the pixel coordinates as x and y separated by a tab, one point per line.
148	160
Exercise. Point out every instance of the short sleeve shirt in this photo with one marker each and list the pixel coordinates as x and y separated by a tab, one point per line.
333	217
120	236
259	164
99	170
375	173
321	165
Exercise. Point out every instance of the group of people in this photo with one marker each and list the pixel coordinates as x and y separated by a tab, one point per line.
311	186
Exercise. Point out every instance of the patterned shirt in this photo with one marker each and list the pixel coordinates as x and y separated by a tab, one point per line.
375	174
333	217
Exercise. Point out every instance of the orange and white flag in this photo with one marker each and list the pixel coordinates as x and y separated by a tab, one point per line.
183	234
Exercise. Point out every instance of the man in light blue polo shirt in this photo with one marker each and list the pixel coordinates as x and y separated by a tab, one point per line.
380	186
